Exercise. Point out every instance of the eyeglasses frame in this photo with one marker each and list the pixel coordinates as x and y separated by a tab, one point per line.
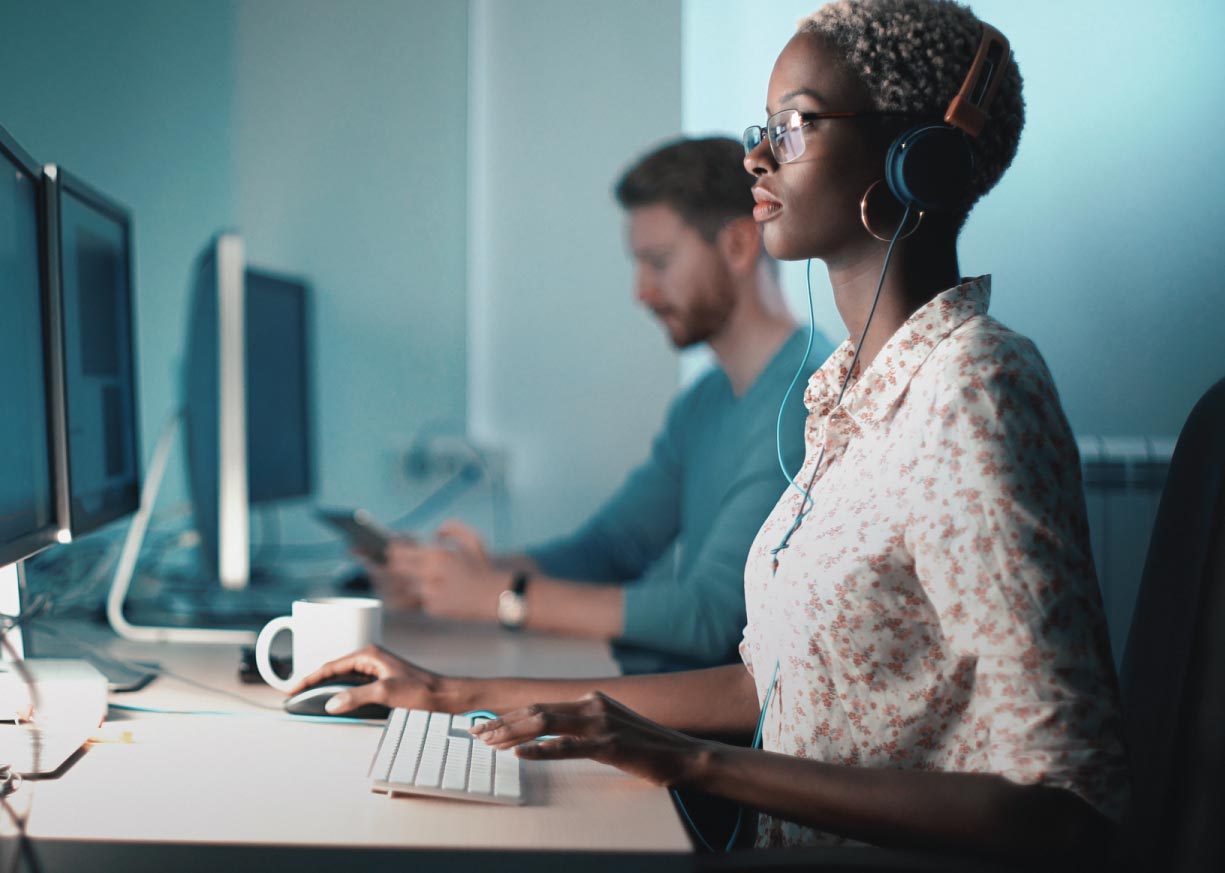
763	134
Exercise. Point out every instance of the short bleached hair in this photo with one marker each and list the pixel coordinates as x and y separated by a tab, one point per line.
913	55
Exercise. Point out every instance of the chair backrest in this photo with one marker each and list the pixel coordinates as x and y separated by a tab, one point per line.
1173	673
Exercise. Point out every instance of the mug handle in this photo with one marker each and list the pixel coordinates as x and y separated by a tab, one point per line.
263	646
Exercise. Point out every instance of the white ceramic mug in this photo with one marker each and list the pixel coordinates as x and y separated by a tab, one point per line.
323	628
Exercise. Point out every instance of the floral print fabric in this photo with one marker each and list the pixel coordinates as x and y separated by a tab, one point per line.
937	607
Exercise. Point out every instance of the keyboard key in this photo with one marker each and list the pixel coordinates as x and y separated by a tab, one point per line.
408	750
480	769
455	775
434	752
505	774
381	766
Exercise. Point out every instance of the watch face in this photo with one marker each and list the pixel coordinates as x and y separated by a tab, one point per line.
512	609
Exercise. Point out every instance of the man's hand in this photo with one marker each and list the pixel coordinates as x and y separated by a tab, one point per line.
396	682
390	577
600	728
451	578
452	566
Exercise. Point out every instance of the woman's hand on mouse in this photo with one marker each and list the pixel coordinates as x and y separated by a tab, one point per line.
396	682
600	728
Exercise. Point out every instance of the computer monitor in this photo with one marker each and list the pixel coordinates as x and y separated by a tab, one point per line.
33	495
92	273
247	406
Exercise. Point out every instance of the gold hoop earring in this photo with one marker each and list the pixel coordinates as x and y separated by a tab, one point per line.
863	215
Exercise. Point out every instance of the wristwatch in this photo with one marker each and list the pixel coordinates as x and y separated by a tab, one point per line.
512	604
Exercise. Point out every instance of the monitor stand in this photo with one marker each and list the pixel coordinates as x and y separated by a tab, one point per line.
126	566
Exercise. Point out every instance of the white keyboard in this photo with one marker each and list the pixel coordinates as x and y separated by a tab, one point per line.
432	753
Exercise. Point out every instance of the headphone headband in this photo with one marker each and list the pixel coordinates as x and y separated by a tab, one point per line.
968	110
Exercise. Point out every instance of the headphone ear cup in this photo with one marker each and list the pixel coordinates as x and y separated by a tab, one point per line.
929	167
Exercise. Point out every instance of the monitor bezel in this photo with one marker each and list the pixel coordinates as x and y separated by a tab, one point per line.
52	532
59	182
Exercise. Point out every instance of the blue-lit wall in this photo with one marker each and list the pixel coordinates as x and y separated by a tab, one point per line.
1104	236
332	141
136	97
350	167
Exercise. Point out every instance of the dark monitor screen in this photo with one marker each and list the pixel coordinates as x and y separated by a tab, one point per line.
278	388
27	484
99	369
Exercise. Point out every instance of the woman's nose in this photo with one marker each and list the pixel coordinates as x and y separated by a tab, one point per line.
760	160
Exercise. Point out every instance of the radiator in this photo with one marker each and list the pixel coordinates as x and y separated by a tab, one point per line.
1123	479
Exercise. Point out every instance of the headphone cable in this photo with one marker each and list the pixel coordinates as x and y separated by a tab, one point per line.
806	504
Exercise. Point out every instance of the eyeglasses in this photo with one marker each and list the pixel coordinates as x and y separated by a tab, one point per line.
785	130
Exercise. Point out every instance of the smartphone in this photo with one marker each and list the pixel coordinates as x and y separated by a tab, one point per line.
364	533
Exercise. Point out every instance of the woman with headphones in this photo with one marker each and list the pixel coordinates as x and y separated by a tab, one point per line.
925	659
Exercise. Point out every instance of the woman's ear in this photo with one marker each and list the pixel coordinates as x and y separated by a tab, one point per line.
739	242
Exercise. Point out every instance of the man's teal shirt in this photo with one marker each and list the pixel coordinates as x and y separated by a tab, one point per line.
678	530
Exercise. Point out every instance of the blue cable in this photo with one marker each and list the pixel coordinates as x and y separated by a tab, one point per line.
320	719
680	804
778	425
807	492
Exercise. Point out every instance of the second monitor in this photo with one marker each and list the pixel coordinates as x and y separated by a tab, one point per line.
93	269
247	401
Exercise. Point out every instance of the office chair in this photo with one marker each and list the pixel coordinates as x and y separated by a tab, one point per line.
1173	673
1173	687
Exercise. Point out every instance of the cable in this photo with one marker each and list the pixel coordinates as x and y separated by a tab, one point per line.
13	781
459	482
807	503
756	744
778	425
283	716
25	846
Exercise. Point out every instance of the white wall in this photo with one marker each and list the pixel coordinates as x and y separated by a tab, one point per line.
566	372
1103	236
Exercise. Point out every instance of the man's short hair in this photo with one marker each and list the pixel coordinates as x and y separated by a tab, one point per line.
703	180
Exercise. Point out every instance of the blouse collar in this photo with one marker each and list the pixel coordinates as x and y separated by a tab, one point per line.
871	395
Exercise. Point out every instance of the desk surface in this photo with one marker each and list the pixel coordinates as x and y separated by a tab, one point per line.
258	777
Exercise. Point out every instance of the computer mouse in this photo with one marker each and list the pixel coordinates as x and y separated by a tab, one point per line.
313	701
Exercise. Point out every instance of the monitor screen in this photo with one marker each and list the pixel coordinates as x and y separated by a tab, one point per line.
99	369
27	480
278	388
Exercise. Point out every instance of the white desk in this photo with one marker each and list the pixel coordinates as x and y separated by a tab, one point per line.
249	787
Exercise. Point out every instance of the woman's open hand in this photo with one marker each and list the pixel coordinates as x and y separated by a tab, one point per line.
599	728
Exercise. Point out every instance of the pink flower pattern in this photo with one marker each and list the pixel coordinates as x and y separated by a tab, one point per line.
937	608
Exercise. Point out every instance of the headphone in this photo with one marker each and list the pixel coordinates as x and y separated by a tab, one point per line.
929	167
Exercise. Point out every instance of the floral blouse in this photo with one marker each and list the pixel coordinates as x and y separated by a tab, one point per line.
937	607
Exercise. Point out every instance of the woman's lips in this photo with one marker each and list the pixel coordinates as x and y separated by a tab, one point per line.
767	206
766	210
